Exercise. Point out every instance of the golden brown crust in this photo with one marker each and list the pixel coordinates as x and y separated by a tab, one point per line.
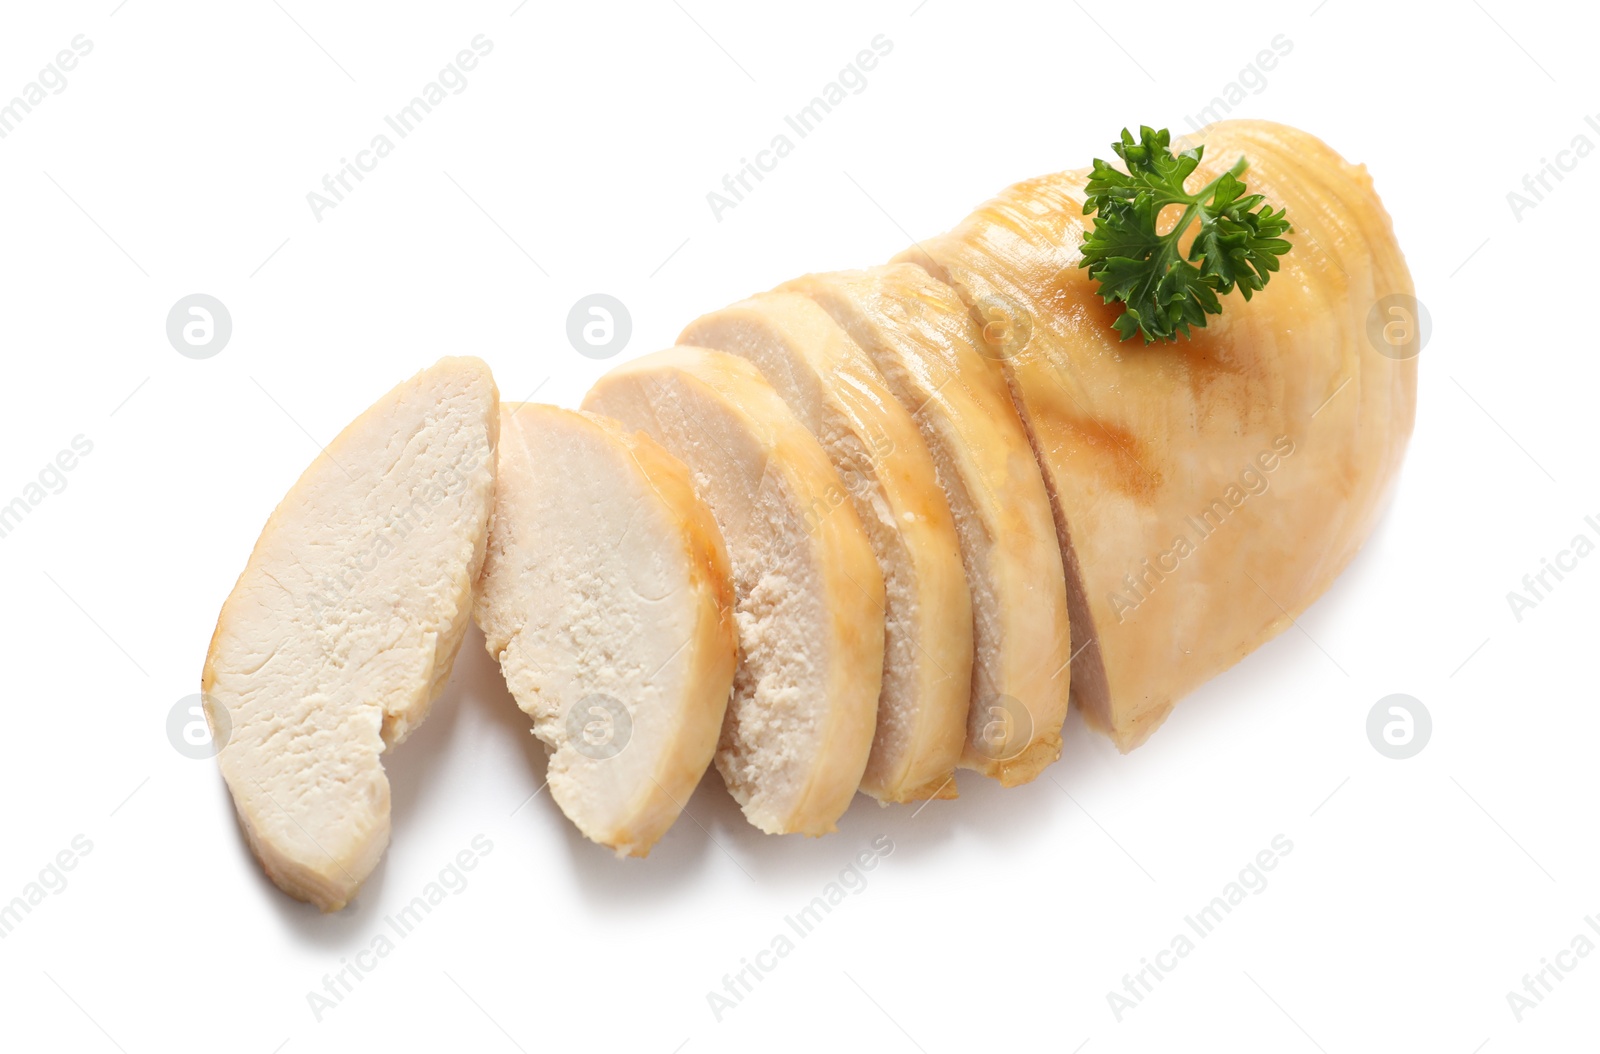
1139	444
875	445
850	584
623	809
715	642
917	331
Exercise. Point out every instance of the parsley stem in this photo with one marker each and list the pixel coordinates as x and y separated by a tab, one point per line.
1197	204
1236	171
1171	276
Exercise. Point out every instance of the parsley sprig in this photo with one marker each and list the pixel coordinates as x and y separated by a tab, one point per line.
1166	292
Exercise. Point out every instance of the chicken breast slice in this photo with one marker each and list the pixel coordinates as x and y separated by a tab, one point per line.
833	388
919	335
606	599
1209	489
345	623
808	596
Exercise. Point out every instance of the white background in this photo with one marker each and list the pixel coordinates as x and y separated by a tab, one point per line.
577	160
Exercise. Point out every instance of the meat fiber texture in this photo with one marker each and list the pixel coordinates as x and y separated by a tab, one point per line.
345	623
606	601
808	595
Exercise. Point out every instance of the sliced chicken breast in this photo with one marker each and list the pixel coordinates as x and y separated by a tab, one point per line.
606	600
919	335
808	596
345	623
833	388
1212	488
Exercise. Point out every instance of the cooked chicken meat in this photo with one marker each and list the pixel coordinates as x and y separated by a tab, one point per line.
1208	489
605	598
918	334
808	596
345	623
892	483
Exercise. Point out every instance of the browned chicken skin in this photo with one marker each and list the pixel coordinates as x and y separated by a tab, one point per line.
1205	491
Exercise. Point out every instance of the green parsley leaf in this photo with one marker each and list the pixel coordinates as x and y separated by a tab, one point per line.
1238	243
